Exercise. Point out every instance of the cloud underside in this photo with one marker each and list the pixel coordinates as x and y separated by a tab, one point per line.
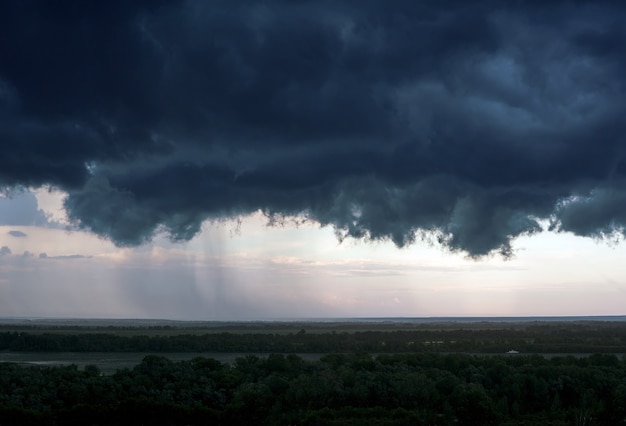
461	123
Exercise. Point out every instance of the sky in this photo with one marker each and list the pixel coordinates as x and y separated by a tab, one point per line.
219	160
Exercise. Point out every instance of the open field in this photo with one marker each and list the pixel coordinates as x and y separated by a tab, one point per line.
149	327
110	362
479	335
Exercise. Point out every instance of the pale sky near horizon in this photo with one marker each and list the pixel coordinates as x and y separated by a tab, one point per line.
258	272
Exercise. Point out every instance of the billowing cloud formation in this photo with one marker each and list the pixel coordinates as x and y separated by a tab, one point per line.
4	250
463	122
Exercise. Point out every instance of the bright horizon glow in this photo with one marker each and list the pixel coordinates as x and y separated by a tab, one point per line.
256	272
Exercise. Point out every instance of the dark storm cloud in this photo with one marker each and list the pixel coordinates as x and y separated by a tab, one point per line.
460	122
18	234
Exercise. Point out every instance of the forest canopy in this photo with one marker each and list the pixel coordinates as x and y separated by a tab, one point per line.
338	389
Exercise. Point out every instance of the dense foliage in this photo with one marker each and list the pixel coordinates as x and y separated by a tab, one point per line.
341	389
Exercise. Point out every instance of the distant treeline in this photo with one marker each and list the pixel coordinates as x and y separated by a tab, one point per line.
539	338
358	389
